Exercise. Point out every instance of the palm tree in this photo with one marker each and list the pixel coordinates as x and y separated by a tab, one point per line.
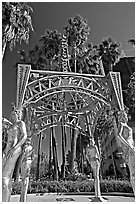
88	60
33	57
77	32
51	42
16	24
109	51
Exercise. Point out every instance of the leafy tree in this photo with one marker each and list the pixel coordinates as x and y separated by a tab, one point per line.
16	24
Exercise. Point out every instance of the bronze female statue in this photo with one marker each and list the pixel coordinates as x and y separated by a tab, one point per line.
17	136
18	148
93	157
127	143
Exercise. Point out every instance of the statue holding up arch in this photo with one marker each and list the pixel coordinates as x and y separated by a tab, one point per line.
17	146
127	143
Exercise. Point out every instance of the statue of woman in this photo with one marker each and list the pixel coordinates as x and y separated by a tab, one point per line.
17	136
126	138
93	157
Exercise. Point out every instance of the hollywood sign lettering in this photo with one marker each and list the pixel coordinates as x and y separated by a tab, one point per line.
64	57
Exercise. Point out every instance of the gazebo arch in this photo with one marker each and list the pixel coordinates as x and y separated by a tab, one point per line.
40	89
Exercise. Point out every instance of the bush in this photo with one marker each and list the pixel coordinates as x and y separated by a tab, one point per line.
74	186
76	177
116	186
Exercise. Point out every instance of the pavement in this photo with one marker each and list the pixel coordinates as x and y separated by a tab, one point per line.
53	197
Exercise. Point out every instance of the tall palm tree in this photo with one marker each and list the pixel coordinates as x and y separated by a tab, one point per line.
16	24
51	42
77	32
109	51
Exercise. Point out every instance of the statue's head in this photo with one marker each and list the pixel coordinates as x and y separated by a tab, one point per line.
16	113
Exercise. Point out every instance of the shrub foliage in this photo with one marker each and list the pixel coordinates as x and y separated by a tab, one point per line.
122	186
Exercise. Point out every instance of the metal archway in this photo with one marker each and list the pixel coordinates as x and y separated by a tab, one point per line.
62	93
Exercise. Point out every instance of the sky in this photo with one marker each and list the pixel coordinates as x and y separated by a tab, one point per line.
115	19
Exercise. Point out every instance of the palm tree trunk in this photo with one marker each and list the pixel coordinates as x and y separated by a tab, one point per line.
110	67
63	166
117	142
63	150
81	155
73	148
82	161
50	151
50	64
55	162
75	61
39	156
